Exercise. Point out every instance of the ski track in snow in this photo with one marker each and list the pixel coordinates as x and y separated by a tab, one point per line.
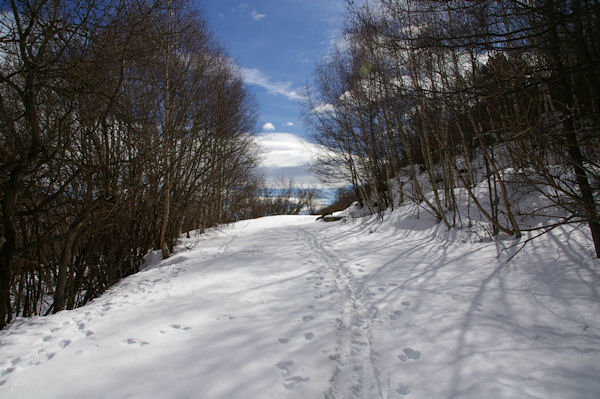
355	360
289	308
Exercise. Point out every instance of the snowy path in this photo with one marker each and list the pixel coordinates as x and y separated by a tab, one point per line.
284	307
356	362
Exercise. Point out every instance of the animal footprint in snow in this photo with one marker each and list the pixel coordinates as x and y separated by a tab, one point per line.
82	327
135	341
180	327
64	343
403	389
307	317
405	303
308	336
395	315
293	381
410	354
283	340
284	367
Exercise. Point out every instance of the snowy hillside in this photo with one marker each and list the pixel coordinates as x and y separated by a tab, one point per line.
286	307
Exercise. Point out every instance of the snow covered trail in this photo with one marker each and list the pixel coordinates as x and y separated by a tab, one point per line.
356	362
284	307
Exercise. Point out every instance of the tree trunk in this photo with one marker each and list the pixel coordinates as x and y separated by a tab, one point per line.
165	221
65	259
59	293
562	94
9	245
166	143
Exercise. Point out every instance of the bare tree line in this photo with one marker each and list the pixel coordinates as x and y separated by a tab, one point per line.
504	93
122	125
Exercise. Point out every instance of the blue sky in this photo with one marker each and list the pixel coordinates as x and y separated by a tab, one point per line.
277	43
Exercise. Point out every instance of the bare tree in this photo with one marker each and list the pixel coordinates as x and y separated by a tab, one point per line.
93	96
500	92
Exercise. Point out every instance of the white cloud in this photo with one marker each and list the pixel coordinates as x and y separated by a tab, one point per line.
289	124
256	16
268	127
256	77
288	155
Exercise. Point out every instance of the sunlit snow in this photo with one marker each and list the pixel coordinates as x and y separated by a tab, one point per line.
286	307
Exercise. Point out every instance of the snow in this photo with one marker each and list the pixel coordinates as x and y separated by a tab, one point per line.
286	307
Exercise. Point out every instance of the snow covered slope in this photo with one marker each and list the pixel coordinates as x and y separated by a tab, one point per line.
285	307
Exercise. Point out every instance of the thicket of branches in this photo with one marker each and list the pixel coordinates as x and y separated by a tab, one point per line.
122	124
284	198
490	99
